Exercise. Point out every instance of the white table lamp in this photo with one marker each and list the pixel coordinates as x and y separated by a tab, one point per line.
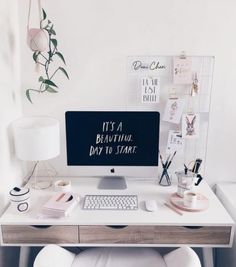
37	139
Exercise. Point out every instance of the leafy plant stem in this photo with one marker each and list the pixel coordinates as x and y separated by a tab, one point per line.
40	88
54	50
54	73
45	58
40	63
46	68
49	57
43	90
42	55
35	90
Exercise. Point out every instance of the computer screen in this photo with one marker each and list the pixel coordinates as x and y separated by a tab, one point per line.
112	141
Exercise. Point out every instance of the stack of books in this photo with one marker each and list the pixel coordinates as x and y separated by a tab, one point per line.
59	205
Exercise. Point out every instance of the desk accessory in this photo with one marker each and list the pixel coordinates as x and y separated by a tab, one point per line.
197	165
186	181
37	139
190	199
60	205
20	199
165	179
110	202
151	205
202	203
173	208
195	169
62	186
199	72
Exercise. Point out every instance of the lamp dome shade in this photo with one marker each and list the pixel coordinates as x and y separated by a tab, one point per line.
36	138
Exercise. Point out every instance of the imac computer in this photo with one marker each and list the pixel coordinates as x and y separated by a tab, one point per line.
113	145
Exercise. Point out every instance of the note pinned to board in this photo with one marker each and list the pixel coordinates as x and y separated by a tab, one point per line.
150	89
175	143
190	125
182	70
174	110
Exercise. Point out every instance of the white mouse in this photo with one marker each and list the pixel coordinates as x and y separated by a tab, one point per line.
151	205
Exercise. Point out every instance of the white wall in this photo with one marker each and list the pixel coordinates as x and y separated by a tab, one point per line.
10	109
10	169
97	36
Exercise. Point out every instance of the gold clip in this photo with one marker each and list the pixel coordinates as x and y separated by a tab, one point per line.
182	55
195	86
172	94
190	111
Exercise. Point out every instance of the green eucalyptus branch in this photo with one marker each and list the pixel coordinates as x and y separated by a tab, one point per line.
45	59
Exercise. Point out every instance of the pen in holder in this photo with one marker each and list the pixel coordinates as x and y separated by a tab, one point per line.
165	177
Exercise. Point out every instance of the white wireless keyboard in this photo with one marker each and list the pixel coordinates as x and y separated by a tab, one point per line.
110	202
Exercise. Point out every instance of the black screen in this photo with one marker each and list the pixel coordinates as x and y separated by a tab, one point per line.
107	138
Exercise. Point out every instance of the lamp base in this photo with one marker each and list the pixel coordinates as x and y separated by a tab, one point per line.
45	179
39	185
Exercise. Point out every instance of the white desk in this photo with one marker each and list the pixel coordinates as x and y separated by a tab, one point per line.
210	228
226	193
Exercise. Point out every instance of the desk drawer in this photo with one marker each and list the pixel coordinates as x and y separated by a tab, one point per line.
155	235
21	234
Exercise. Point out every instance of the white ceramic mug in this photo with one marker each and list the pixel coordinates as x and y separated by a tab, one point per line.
20	199
63	185
190	199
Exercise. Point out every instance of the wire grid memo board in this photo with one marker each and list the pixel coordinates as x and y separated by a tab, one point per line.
179	87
